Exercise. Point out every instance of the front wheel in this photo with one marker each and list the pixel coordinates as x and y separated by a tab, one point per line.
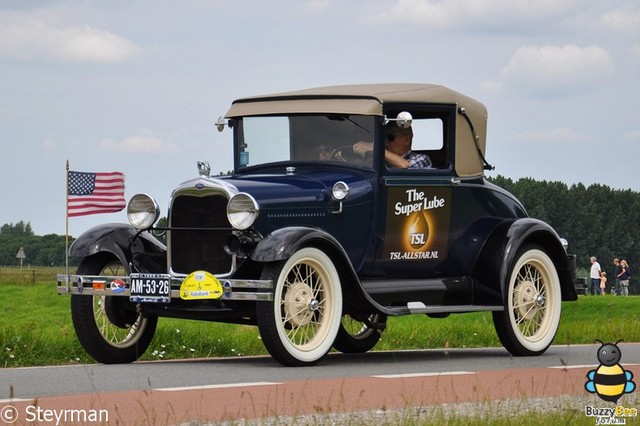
532	304
108	327
299	326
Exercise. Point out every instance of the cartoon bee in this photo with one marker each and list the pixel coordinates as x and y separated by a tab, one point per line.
609	381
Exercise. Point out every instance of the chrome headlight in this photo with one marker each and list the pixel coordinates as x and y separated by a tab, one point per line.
242	211
142	211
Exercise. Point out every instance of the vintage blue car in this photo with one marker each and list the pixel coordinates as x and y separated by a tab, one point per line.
347	205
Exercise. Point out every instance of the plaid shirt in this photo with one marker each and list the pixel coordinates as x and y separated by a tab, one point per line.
417	160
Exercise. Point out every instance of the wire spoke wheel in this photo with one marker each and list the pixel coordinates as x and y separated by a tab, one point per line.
117	336
531	317
110	328
303	305
529	300
355	336
126	332
300	325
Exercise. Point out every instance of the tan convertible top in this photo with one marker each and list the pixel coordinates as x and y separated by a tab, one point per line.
368	99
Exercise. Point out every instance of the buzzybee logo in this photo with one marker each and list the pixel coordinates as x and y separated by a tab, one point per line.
609	381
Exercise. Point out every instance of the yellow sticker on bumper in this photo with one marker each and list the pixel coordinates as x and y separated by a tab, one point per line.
200	285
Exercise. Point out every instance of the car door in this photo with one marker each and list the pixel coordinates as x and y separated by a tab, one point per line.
416	228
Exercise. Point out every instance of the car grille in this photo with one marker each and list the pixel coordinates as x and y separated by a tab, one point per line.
199	244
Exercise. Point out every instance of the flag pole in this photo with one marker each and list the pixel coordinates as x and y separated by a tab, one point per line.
66	238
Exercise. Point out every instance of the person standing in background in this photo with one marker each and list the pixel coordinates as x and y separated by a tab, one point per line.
624	278
616	286
595	276
603	283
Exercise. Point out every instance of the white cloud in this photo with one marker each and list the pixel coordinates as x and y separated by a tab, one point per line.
493	86
139	144
556	68
625	19
458	13
28	38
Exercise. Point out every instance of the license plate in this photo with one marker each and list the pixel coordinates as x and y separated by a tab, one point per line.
150	288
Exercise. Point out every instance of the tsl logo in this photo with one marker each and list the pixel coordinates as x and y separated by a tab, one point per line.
417	223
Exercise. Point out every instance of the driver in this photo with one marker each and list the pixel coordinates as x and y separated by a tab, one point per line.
397	151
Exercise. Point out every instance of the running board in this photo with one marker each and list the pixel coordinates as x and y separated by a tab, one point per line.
421	308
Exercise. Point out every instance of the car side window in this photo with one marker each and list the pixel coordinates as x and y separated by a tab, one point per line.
429	139
423	145
428	134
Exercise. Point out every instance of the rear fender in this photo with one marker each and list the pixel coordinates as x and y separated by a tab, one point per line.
533	231
139	252
498	254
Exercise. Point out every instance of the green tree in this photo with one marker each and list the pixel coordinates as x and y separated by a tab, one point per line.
20	229
596	220
47	250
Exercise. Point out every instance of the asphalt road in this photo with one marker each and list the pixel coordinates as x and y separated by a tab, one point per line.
38	382
273	388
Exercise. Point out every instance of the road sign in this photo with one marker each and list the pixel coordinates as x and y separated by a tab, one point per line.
21	255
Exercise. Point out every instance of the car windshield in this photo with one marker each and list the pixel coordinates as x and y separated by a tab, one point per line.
268	139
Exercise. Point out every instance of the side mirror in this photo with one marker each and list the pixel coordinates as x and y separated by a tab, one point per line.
221	123
404	119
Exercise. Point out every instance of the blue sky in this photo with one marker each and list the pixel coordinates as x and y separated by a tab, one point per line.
137	85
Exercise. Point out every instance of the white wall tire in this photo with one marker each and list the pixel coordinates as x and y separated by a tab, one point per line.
532	303
108	327
300	325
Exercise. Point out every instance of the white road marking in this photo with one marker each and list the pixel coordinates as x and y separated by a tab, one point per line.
583	366
223	386
568	367
400	376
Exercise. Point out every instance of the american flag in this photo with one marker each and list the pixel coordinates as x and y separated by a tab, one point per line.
91	193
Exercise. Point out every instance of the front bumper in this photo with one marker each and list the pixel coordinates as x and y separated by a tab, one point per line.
233	289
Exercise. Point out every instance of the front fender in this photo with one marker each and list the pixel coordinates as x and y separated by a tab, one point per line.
143	252
282	243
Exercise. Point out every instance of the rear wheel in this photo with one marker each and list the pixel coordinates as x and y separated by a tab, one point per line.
359	336
532	304
108	327
301	323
